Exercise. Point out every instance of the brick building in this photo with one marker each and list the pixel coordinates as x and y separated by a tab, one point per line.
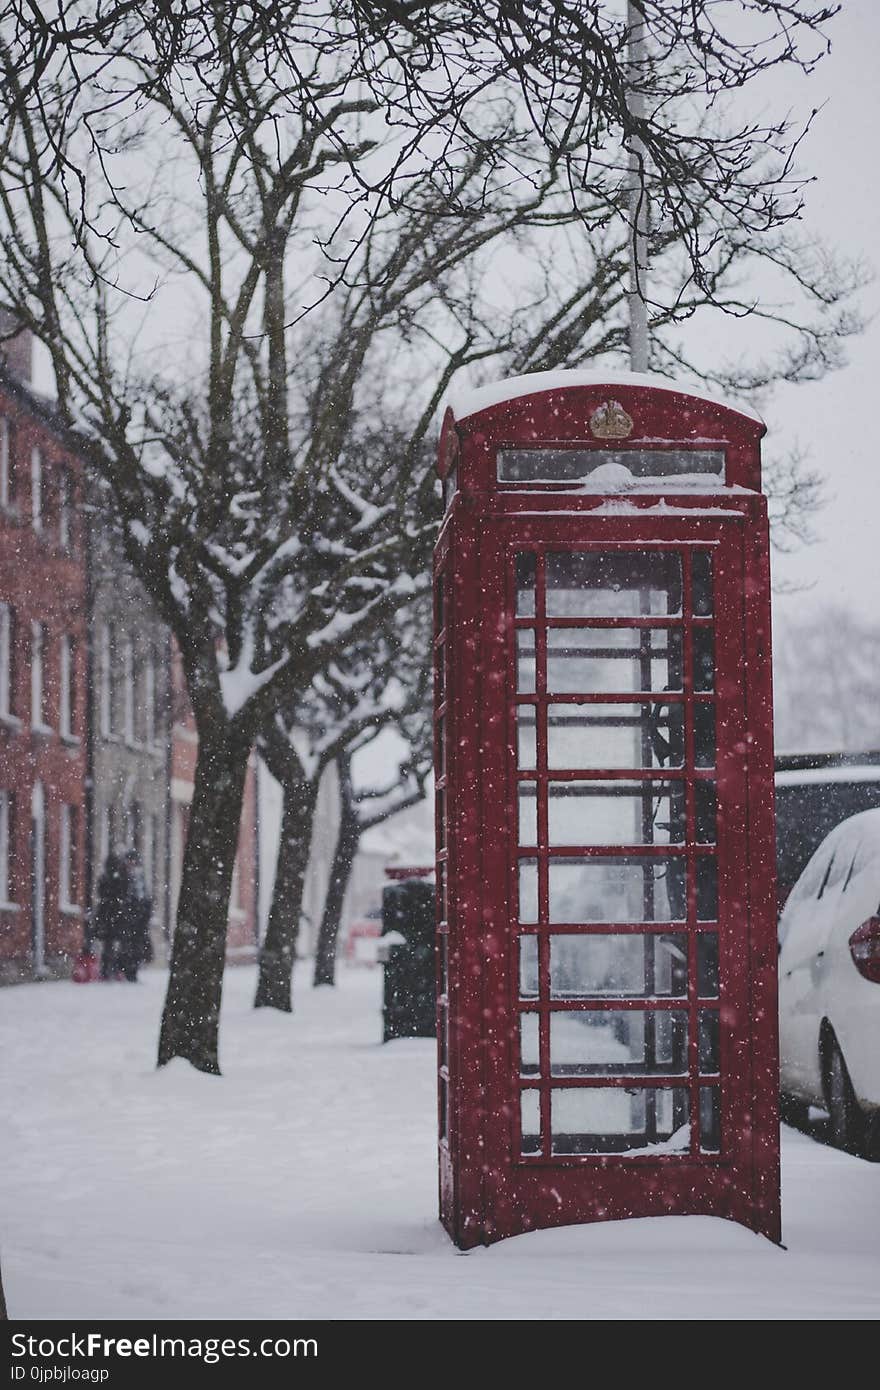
97	741
43	681
130	724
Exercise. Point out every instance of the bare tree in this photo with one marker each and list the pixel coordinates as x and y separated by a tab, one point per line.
826	678
431	66
361	809
374	686
365	802
218	533
248	164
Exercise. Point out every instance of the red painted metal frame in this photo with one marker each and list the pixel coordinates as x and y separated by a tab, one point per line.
488	1189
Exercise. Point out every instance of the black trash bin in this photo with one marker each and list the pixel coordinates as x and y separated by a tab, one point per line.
408	918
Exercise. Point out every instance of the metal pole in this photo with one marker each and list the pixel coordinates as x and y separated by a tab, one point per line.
638	201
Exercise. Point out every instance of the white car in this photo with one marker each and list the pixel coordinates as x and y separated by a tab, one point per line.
829	985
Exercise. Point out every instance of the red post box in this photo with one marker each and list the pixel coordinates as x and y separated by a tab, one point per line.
604	809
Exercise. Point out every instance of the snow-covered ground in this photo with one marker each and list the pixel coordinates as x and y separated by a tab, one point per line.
302	1184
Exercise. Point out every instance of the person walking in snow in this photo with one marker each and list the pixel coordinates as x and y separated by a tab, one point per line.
110	914
134	947
139	906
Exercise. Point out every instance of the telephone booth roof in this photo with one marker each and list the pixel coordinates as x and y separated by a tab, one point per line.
615	412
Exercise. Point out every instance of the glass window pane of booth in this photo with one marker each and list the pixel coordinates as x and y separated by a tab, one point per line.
612	660
633	965
574	465
707	965
528	813
598	584
525	585
525	736
627	889
528	890
613	812
701	584
525	661
528	1044
528	967
637	735
611	1119
602	1042
530	1121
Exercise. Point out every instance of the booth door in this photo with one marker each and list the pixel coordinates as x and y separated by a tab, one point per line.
626	975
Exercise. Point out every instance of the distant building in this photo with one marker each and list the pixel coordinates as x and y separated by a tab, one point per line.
131	715
97	739
43	680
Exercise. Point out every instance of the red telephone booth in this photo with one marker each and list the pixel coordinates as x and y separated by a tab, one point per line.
604	773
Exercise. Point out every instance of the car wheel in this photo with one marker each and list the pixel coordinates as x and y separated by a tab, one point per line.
847	1121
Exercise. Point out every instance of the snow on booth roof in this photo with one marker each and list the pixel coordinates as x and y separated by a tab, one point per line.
470	400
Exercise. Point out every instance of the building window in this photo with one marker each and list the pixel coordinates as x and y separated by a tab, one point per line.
104	840
38	685
133	826
7	639
37	489
106	679
148	850
64	507
5	464
6	823
128	690
67	689
235	890
67	857
150	698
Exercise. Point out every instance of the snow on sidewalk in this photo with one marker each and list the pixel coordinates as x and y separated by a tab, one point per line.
302	1184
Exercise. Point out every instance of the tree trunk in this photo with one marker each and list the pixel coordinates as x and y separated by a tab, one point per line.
340	873
279	947
191	1015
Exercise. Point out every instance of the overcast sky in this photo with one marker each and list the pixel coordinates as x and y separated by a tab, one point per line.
834	420
838	419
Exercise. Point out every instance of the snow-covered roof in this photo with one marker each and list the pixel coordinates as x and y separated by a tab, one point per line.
468	401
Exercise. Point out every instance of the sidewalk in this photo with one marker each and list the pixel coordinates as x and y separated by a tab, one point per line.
303	1184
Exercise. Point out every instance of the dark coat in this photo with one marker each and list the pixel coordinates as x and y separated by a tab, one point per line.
124	910
138	909
112	893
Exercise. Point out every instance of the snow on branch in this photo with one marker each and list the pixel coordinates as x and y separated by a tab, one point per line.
341	625
369	514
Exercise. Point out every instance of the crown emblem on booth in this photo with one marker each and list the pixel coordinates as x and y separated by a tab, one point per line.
610	421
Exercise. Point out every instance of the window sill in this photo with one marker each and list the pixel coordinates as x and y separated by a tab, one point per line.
69	910
57	549
72	740
10	907
10	721
42	730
